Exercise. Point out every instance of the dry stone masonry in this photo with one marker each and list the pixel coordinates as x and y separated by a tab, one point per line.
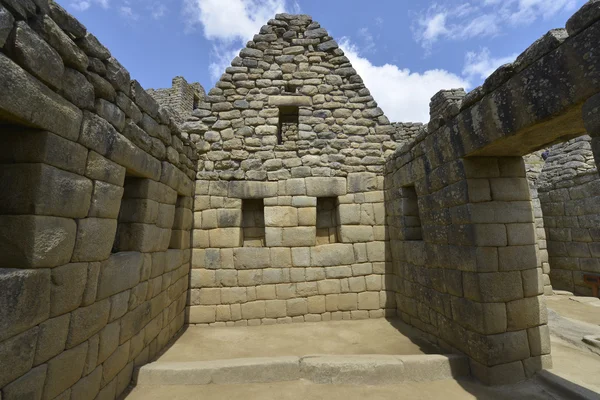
95	212
283	195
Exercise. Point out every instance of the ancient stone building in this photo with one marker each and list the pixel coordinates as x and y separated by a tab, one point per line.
181	99
283	195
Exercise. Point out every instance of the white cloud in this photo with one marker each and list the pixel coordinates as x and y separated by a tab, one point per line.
127	12
403	95
229	27
82	5
158	11
481	18
480	65
238	20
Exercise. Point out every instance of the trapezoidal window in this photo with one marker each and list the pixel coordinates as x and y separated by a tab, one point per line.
134	210
196	102
288	123
411	221
253	222
327	221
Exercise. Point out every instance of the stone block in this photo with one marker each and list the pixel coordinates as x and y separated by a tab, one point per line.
28	241
68	285
166	215
509	189
325	187
349	301
115	363
94	241
64	371
17	354
539	340
297	307
338	272
228	218
502	374
88	387
493	287
281	216
100	168
304	201
251	258
135	320
120	272
27	100
24	300
368	301
358	284
354	234
362	182
349	214
479	190
34	146
300	236
202	314
301	257
332	254
275	308
106	200
109	341
86	321
484	318
329	286
517	258
316	304
29	386
52	338
286	101
285	291
225	237
253	310
526	313
489	235
376	251
250	190
307	216
374	282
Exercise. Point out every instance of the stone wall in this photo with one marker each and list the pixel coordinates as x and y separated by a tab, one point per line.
95	215
569	191
407	131
293	129
534	163
181	99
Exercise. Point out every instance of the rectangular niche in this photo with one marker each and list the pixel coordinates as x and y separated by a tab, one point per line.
253	222
132	210
327	221
288	123
411	221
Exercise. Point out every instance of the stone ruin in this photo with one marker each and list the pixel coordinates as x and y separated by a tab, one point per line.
282	195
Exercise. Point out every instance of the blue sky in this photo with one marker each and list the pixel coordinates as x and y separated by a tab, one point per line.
404	50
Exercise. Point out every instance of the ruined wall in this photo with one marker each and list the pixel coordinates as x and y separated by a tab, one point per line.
95	212
181	99
292	130
407	131
569	191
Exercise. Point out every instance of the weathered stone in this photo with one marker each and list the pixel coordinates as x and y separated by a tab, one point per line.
72	55
86	321
64	370
93	47
29	386
52	338
6	25
24	300
91	244
25	100
36	241
17	355
36	56
68	285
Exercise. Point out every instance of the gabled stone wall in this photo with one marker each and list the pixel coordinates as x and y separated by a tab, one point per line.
95	214
333	152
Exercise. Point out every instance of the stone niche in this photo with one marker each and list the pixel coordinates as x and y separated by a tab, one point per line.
305	249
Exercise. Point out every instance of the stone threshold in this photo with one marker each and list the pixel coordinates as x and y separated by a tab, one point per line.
369	369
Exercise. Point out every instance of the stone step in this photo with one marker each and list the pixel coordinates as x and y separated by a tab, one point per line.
325	369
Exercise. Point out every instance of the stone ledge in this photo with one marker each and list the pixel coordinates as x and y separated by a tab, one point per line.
283	101
332	369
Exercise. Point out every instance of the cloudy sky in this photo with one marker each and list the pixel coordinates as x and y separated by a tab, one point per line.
405	50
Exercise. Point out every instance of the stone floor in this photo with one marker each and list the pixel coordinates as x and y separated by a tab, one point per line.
574	363
375	336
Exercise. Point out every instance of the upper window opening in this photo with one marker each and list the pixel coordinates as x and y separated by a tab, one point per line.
288	124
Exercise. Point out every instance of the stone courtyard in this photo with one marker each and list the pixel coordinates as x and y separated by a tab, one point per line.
278	234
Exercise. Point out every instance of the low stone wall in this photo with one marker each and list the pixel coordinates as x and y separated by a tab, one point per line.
95	215
290	278
569	192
